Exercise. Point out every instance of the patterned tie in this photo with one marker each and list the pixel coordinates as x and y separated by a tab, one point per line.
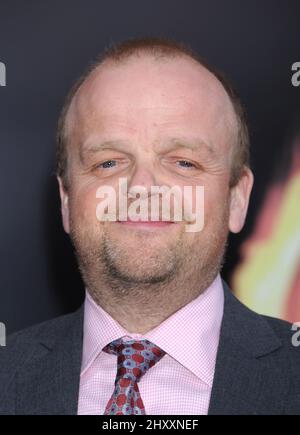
135	357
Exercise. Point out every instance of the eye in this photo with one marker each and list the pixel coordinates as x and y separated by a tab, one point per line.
185	164
107	164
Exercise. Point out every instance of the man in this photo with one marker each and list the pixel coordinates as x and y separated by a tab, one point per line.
159	332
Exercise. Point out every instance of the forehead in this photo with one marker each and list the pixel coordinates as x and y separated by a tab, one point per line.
147	94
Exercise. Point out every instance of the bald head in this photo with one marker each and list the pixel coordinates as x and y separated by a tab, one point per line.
151	100
132	82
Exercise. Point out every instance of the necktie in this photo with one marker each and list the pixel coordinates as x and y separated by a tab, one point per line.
135	357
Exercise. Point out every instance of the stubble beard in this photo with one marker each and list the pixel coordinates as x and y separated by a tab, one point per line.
147	272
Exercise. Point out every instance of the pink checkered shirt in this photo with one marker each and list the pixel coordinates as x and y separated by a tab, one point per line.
181	382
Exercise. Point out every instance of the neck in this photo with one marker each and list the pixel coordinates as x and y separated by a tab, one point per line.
139	308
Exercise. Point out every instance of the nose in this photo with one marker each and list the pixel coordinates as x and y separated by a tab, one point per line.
144	176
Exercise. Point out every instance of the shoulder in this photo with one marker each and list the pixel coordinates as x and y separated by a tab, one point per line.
34	341
289	360
258	327
33	359
48	330
281	327
261	334
289	335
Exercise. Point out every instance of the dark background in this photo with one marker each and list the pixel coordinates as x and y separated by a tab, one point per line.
46	45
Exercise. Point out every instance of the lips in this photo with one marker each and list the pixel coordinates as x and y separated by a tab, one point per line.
146	221
146	224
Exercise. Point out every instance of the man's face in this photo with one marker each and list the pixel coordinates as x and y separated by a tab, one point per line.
166	122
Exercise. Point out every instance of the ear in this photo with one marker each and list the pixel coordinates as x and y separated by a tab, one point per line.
64	201
239	200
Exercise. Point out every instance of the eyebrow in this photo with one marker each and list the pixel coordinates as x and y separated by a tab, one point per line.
99	146
195	144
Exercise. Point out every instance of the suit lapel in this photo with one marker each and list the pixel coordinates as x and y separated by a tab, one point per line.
248	379
49	384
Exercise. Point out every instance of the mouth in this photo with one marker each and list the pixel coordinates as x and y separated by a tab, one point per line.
146	224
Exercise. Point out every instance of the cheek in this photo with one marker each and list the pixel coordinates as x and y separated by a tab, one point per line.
216	201
83	205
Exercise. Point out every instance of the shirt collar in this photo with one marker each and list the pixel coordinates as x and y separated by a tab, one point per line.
190	336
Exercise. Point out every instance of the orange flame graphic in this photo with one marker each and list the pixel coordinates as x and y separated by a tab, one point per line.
268	278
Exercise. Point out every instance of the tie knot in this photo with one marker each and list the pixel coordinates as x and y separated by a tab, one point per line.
135	357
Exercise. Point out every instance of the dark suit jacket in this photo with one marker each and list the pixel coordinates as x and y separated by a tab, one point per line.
257	368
